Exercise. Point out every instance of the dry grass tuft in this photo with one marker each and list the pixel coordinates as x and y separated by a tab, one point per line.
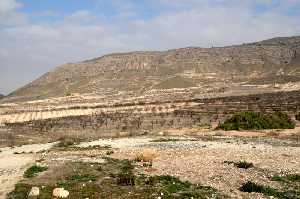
146	155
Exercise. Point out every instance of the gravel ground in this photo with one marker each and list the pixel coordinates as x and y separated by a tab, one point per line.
189	159
203	162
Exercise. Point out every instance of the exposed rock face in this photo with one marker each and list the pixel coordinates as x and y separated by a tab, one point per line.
140	72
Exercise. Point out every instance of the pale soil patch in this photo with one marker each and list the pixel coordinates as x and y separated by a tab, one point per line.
12	166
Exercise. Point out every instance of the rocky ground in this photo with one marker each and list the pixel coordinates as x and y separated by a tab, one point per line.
204	160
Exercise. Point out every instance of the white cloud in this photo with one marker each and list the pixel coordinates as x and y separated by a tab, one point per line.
8	5
29	49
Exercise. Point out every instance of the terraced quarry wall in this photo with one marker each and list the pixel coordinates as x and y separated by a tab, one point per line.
157	116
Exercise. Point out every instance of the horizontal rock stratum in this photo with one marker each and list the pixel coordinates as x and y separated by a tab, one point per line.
197	71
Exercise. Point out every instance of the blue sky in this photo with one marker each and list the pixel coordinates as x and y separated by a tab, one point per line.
38	35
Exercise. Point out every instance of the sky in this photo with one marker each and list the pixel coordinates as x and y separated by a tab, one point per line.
38	35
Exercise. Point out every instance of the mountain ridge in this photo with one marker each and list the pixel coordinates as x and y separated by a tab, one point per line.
133	73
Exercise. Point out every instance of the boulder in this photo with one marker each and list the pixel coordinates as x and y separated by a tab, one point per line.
34	192
60	193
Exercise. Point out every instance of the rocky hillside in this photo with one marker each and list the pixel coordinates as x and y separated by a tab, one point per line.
200	70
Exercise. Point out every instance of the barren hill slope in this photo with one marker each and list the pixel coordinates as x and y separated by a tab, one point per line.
247	68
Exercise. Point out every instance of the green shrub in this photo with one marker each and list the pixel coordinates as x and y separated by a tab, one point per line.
21	191
268	191
287	178
33	171
253	187
126	177
257	121
241	164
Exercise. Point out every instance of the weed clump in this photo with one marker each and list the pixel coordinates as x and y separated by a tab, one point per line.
257	121
82	178
287	178
126	177
21	191
33	171
241	164
253	187
268	191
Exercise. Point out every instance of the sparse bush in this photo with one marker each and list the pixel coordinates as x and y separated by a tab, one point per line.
268	191
287	178
252	187
33	171
241	164
257	121
21	191
244	164
126	179
126	176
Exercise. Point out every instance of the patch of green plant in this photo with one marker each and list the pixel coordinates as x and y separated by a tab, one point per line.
173	187
82	177
257	121
268	191
125	176
287	178
241	164
21	191
117	180
33	171
172	184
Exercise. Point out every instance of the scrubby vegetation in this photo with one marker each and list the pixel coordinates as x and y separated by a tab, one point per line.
113	179
33	171
286	193
253	187
287	178
257	121
241	164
